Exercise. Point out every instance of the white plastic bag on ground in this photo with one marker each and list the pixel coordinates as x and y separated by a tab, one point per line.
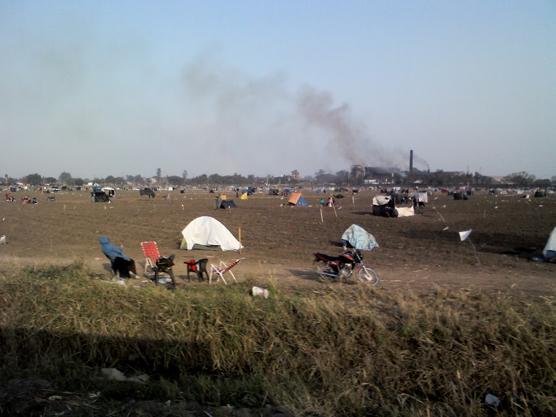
259	292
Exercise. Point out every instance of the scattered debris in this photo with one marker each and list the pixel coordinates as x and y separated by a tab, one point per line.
259	292
116	375
3	240
464	235
492	400
165	280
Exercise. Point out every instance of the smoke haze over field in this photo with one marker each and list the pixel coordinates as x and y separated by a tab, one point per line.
101	89
260	119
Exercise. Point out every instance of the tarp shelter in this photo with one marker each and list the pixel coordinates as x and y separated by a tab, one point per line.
244	197
109	190
384	205
421	197
381	200
359	238
100	197
296	199
206	231
405	211
224	204
549	250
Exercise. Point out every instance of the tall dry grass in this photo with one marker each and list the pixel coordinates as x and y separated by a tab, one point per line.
343	351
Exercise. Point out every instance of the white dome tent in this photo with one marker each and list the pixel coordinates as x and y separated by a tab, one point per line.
206	231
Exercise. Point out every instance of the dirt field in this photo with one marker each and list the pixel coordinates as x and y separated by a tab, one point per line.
279	241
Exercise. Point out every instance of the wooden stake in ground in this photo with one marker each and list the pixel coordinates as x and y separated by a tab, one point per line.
353	200
334	207
474	251
321	218
439	215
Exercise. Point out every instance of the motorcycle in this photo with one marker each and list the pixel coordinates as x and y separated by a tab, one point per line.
345	267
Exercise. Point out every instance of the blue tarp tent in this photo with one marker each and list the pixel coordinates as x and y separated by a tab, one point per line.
359	238
296	199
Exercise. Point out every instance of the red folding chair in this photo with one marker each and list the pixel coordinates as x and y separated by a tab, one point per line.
150	250
155	262
222	269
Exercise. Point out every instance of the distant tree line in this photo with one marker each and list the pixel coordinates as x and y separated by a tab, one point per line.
437	178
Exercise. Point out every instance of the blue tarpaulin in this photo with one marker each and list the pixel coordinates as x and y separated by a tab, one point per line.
110	250
359	238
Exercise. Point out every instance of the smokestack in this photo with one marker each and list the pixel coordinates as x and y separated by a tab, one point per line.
411	162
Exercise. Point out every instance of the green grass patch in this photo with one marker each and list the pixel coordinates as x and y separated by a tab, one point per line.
347	350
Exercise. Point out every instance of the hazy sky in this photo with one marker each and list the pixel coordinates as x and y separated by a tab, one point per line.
123	87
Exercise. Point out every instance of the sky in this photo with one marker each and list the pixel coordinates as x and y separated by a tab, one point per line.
99	88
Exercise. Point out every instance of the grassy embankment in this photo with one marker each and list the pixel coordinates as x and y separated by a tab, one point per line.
347	350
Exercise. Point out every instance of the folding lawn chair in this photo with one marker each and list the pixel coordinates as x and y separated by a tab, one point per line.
157	263
223	268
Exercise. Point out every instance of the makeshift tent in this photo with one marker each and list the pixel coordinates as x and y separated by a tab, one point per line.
244	197
207	231
148	192
384	205
549	250
296	199
224	204
381	200
109	191
359	238
421	197
99	197
405	211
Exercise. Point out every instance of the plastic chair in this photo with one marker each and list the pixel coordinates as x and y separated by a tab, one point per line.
198	266
222	269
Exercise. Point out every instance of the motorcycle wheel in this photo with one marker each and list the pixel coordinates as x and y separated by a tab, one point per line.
368	276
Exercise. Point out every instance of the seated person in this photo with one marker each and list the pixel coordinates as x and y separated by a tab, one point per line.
119	261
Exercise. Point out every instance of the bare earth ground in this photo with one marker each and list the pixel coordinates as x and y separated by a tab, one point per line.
414	252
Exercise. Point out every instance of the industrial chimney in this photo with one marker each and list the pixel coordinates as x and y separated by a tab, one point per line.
411	162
